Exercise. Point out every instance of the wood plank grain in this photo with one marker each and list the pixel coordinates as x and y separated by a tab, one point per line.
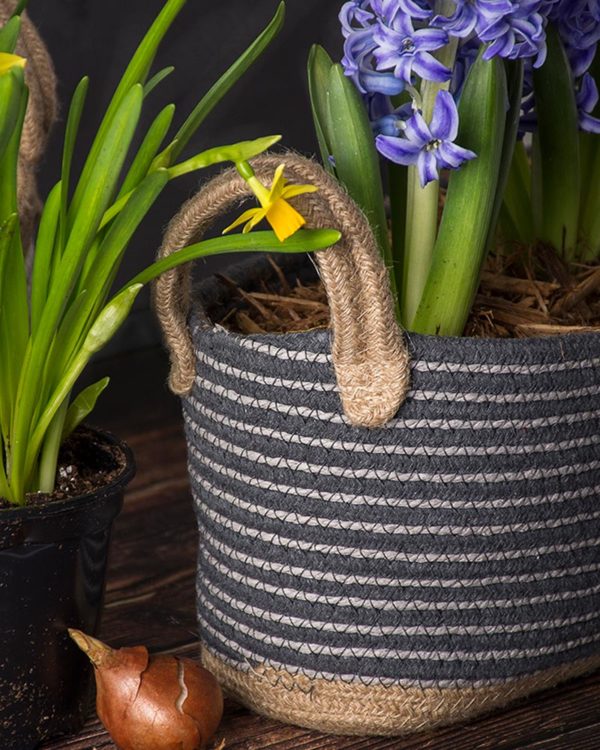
150	599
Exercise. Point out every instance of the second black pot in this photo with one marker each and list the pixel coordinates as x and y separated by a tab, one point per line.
52	572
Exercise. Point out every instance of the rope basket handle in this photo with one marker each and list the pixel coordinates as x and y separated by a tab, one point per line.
39	118
370	356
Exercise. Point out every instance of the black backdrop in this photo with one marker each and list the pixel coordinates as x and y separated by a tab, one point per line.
97	37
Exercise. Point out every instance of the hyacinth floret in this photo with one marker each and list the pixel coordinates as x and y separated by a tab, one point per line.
512	29
429	147
587	99
407	51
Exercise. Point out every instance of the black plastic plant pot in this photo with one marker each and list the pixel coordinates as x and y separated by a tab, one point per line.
53	562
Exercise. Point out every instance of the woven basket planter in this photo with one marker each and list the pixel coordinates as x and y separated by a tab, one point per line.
368	567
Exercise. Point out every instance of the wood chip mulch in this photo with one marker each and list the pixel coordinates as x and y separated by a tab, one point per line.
522	293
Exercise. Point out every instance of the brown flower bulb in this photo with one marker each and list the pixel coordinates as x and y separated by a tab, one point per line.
152	703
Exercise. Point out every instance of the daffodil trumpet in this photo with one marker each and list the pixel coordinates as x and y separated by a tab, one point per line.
274	206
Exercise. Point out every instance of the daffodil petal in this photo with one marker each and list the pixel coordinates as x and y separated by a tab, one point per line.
284	219
278	184
8	62
246	216
291	191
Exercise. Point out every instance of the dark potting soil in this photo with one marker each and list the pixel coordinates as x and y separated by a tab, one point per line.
86	463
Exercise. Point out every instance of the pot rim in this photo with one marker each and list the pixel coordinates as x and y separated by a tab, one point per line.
78	503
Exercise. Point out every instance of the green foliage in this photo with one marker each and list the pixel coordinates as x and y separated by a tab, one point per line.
47	337
346	143
556	181
462	240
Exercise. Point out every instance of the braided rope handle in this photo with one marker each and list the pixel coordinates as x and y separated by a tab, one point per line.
41	113
370	356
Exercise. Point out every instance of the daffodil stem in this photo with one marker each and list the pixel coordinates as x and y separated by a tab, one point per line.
245	170
422	203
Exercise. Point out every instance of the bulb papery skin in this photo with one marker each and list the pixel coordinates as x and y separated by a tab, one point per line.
153	703
167	704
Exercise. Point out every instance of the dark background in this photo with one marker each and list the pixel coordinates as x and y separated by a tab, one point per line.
97	38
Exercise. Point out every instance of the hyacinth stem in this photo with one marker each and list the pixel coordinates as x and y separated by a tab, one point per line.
422	203
557	182
398	185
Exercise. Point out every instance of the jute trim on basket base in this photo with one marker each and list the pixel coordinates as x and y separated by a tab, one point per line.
352	709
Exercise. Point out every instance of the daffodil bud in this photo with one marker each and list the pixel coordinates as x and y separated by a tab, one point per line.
111	319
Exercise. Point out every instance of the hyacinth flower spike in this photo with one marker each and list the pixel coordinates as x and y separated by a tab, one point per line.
8	62
274	206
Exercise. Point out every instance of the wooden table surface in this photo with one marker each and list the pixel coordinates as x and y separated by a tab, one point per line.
150	595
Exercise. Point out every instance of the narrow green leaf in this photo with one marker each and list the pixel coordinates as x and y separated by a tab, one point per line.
21	6
461	244
557	189
73	121
11	93
589	219
9	35
304	241
147	152
44	251
517	197
46	481
157	79
136	73
236	152
349	133
7	387
83	405
514	79
102	271
590	214
319	66
13	278
224	84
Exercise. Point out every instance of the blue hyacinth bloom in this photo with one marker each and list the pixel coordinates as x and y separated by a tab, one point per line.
428	147
407	51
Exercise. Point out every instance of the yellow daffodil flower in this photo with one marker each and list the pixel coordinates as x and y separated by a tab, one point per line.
274	206
8	62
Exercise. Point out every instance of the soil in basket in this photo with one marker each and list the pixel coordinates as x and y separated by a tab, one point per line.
522	293
85	464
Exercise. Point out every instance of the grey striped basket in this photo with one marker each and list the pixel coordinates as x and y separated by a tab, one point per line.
386	580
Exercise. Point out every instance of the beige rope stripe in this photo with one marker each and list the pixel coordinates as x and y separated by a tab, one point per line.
370	356
343	708
41	114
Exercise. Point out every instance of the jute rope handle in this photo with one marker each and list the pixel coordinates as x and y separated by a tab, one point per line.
41	114
370	356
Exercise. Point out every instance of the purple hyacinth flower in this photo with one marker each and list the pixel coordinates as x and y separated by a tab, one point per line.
472	14
408	51
389	9
587	99
428	147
